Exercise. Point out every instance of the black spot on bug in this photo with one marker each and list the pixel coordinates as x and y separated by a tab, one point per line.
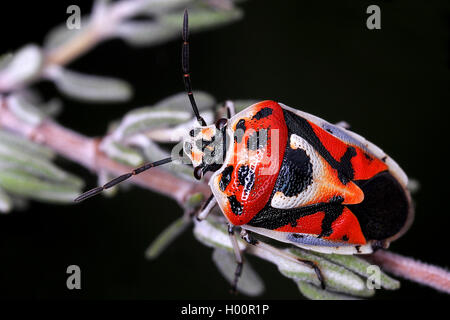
358	249
385	208
226	177
273	218
368	157
257	140
240	130
297	236
241	125
236	206
331	215
384	159
302	128
295	173
246	177
263	113
344	237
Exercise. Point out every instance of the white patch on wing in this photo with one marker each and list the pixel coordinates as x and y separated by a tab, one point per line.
279	200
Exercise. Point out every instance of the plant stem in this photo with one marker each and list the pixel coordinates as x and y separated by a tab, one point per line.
414	270
85	151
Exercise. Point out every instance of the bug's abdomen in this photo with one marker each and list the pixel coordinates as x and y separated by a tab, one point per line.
385	209
244	184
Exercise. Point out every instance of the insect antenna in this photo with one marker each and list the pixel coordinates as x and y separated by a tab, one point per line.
119	179
185	68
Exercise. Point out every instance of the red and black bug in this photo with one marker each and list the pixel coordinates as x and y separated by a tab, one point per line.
293	177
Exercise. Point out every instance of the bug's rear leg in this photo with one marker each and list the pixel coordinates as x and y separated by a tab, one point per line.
239	258
313	264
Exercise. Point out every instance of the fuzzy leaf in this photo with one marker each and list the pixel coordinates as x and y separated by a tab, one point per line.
14	143
144	119
165	238
91	88
249	283
162	6
180	101
214	235
201	19
24	110
312	292
145	33
153	152
22	183
361	267
336	277
6	203
121	153
24	66
10	158
61	35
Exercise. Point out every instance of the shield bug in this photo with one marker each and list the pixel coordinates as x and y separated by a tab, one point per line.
293	177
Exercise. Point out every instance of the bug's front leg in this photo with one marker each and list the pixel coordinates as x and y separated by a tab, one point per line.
310	263
206	208
239	258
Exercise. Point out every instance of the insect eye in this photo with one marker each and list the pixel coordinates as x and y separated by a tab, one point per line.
221	123
198	172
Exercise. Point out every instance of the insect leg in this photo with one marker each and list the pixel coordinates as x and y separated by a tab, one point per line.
207	207
239	258
313	264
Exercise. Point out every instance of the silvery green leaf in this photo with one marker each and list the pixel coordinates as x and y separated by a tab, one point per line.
121	153
337	278
91	88
214	235
146	118
6	203
201	19
194	201
24	110
24	66
153	152
177	132
249	283
144	33
361	267
16	144
5	59
14	159
61	35
180	101
240	105
313	292
162	6
22	183
165	238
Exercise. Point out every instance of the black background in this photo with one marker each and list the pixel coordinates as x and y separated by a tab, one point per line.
391	85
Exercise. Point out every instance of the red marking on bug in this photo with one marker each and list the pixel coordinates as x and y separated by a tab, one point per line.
264	164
